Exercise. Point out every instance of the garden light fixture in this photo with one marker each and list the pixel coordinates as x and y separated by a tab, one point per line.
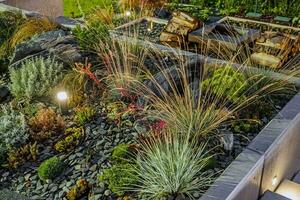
127	13
62	97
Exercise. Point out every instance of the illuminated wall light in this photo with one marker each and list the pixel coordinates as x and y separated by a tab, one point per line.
289	189
150	26
274	181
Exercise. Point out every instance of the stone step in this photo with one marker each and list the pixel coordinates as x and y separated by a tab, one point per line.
289	189
296	178
268	195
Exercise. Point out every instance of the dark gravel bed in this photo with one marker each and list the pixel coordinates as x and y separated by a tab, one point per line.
87	161
144	31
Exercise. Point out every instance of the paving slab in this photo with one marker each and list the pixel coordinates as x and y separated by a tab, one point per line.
268	135
296	178
291	109
273	196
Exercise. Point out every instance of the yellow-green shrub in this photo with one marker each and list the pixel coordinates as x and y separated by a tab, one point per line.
79	190
72	138
30	28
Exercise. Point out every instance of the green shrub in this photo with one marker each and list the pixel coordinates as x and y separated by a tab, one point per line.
227	83
72	139
79	190
50	168
119	177
13	131
35	78
83	114
121	153
91	35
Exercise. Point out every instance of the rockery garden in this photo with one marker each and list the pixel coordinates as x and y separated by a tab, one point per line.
140	99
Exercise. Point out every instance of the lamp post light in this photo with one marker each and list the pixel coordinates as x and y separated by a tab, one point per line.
62	98
128	13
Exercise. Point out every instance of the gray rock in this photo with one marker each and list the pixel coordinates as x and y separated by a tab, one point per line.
27	176
4	93
53	188
35	197
57	43
96	197
67	22
20	187
6	174
107	192
61	194
93	168
69	183
196	195
77	167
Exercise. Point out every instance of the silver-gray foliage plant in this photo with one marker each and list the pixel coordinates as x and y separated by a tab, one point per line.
13	128
35	77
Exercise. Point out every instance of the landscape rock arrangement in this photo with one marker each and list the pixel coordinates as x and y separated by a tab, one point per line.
59	43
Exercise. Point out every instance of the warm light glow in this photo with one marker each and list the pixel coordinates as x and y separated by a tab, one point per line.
62	96
149	29
289	189
127	13
274	181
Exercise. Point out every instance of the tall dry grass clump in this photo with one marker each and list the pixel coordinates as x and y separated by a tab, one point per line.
200	102
30	28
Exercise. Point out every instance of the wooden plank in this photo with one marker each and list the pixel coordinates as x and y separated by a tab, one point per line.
157	20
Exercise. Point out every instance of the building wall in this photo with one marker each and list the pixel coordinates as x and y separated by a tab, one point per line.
53	8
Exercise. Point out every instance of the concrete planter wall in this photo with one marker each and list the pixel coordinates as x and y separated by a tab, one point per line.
271	157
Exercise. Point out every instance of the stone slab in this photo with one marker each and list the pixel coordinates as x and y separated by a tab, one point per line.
296	178
268	135
253	15
272	196
282	19
291	110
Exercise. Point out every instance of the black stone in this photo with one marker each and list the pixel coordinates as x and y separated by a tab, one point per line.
4	93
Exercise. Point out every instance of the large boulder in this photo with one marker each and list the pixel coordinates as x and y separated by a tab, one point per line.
58	43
